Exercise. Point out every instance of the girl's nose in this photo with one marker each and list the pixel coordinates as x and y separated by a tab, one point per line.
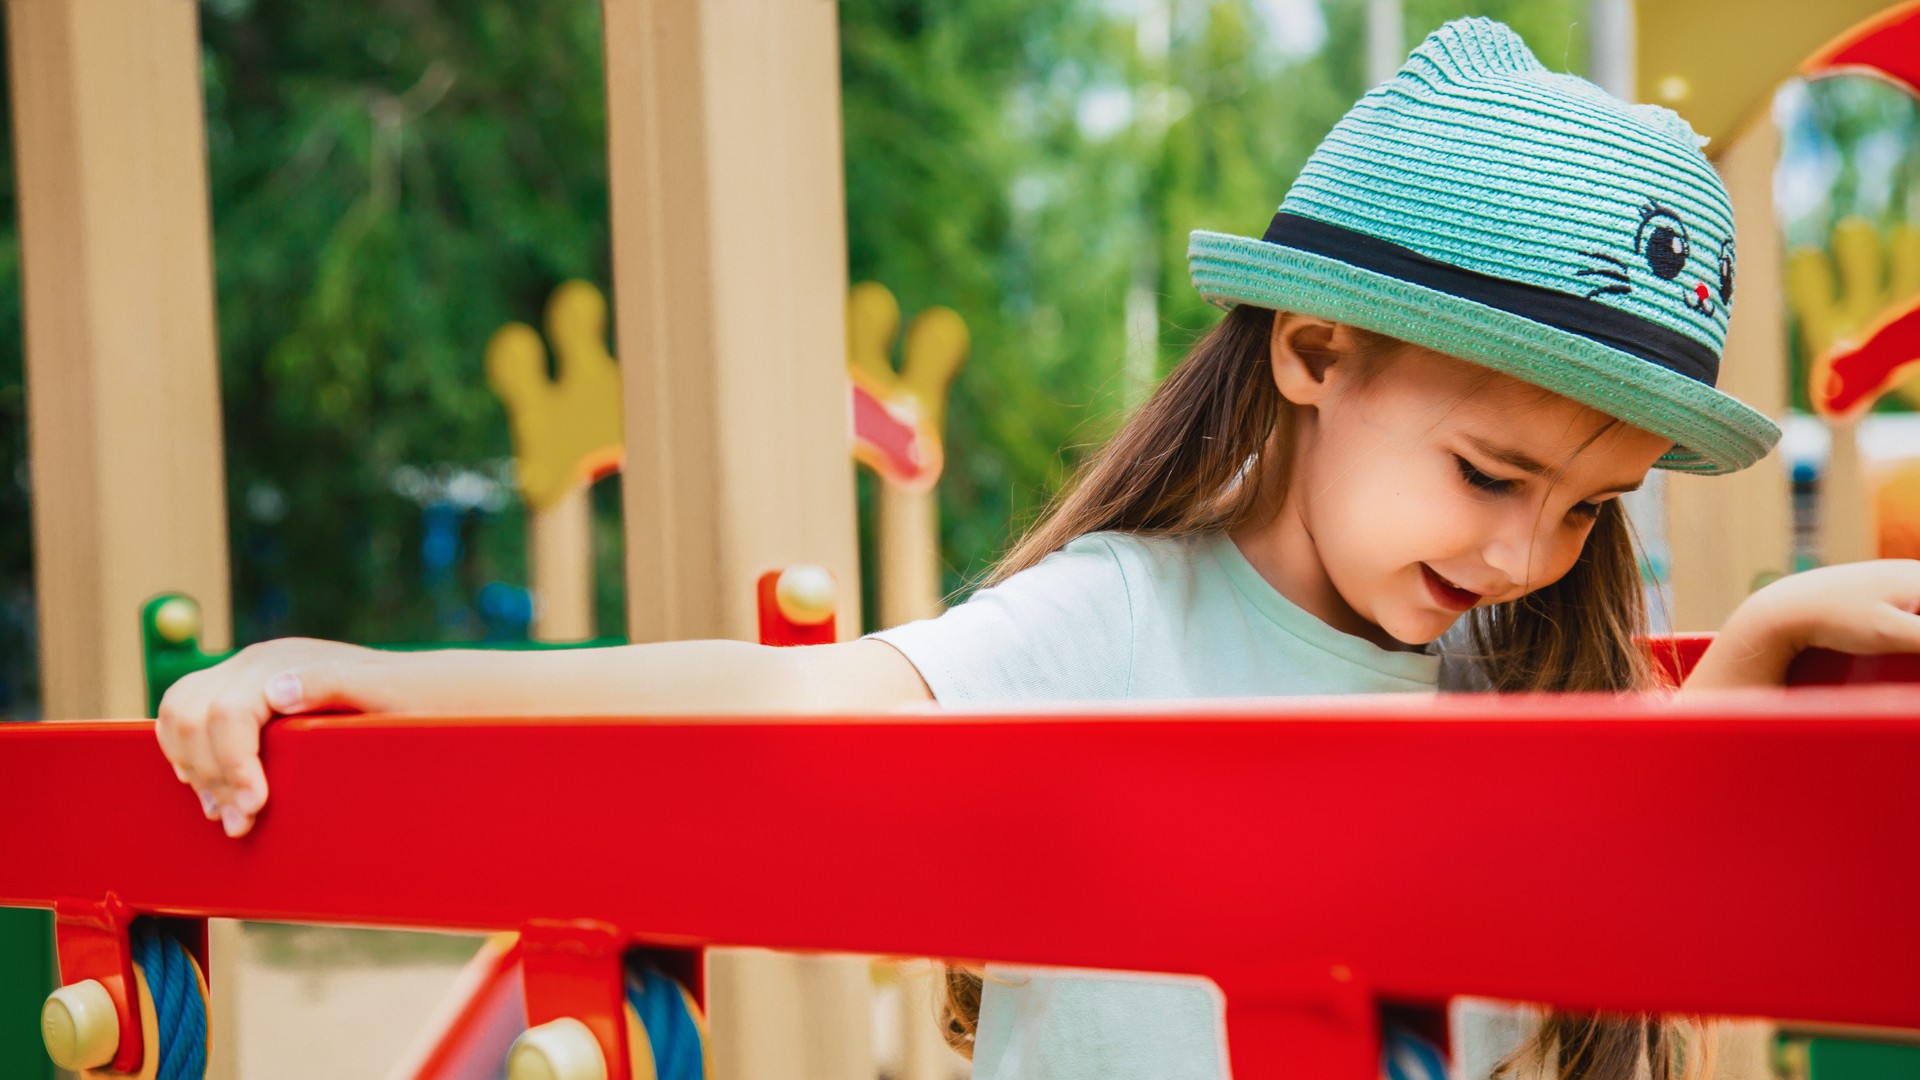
1516	547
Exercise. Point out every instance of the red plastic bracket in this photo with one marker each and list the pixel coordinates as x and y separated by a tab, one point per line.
91	937
573	968
1318	1020
777	629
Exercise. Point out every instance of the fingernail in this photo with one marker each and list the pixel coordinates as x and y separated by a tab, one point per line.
232	820
207	805
283	692
248	800
180	774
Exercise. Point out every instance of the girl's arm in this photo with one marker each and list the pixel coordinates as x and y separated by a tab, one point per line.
209	722
1867	609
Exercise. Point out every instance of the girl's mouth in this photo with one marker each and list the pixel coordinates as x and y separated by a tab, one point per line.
1446	593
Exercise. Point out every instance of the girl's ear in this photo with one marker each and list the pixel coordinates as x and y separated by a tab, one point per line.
1306	353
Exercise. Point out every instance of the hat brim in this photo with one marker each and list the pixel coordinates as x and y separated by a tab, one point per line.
1712	432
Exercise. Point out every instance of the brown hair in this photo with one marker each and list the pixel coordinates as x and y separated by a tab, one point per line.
1212	449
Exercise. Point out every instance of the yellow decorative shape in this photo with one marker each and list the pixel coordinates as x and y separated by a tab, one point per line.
935	349
1837	297
566	429
1896	502
1718	62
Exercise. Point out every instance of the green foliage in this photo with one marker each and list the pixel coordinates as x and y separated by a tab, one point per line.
19	672
388	188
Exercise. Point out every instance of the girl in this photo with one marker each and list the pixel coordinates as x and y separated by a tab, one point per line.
1494	299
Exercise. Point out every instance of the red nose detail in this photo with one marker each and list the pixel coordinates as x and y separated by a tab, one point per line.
1700	290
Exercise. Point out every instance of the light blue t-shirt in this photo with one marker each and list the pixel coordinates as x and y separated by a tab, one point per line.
1114	616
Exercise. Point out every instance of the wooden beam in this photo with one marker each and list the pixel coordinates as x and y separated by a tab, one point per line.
560	567
122	370
1729	532
729	256
122	367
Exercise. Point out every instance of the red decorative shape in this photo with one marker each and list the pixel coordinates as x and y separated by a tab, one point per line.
891	439
1887	45
1857	374
777	629
91	937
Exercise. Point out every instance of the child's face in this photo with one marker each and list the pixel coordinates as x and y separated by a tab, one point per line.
1436	486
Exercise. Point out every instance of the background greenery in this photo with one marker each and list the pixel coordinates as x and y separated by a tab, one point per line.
390	184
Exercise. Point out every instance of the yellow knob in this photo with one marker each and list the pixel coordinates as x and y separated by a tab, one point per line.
562	1049
79	1026
177	619
805	594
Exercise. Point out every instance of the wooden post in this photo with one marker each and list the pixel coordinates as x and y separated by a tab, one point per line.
122	369
560	567
1728	532
566	434
729	254
907	520
1848	529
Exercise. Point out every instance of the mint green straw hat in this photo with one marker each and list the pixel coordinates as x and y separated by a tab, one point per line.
1485	207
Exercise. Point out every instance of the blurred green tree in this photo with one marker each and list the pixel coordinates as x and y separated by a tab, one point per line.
388	188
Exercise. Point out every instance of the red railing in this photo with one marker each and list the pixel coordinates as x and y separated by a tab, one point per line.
1743	856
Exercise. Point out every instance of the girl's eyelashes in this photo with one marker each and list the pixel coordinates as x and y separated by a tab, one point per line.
1481	481
1586	512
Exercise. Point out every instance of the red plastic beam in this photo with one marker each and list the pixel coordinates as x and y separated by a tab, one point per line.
1308	855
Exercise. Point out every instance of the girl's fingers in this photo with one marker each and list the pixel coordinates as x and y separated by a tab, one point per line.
182	731
233	735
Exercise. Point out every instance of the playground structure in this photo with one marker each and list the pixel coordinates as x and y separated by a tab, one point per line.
1233	863
721	104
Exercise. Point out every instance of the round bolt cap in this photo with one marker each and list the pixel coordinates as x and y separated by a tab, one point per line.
805	594
176	620
562	1049
79	1026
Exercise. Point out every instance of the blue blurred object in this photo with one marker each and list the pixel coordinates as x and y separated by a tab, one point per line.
440	541
507	611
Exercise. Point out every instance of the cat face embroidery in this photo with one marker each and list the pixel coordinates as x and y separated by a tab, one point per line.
1662	246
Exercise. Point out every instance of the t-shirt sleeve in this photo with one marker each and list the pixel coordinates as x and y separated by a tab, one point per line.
1061	630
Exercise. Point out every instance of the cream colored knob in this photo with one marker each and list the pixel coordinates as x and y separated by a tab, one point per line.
79	1026
805	594
562	1049
176	619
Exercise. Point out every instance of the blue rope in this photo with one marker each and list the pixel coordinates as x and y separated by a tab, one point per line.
177	1003
671	1030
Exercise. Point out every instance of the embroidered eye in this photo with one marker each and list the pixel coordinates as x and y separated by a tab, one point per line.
1726	273
1662	240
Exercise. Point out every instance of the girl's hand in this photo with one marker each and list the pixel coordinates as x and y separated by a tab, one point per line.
210	721
1867	609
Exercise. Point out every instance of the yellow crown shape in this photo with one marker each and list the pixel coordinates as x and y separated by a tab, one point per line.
566	429
914	397
1839	299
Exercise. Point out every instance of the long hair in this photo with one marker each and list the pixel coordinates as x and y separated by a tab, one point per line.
1212	448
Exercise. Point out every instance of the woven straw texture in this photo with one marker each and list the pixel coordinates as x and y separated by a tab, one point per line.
1476	156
